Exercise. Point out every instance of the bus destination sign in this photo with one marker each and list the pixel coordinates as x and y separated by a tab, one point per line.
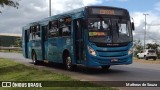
109	12
106	11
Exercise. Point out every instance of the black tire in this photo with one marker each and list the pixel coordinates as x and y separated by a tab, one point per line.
106	67
34	58
154	59
146	58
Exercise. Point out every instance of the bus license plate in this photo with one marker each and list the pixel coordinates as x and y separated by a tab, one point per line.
114	60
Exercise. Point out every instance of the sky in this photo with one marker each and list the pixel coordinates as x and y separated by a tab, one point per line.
12	20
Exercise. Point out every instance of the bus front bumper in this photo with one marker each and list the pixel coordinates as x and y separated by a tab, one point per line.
95	61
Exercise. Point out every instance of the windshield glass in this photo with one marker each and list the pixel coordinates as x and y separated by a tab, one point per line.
151	51
108	30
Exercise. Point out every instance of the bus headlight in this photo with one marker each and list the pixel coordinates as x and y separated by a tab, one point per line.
130	51
91	51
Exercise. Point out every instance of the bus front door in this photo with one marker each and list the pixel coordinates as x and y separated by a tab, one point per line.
78	46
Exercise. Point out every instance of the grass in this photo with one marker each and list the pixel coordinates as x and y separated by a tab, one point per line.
13	71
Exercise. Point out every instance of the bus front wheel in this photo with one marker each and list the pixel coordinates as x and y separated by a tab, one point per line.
106	67
68	64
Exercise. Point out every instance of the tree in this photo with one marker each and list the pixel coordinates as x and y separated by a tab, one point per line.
137	47
18	42
152	46
8	3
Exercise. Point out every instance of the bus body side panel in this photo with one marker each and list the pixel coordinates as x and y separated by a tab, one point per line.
56	46
29	50
38	49
52	50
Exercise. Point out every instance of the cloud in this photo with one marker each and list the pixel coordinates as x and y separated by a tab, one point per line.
153	26
12	20
91	2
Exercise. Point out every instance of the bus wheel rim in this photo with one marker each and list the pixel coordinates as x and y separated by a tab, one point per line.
68	62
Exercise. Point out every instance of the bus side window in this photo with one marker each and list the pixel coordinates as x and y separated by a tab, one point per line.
37	32
65	26
34	32
53	29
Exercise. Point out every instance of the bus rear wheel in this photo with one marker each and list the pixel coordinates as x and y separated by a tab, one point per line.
105	67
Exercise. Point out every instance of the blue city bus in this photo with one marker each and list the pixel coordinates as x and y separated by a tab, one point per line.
92	36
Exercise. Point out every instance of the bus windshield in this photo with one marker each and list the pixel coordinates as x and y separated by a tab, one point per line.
109	30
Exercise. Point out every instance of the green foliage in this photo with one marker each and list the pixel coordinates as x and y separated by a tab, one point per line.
152	46
138	47
13	71
8	41
18	42
9	3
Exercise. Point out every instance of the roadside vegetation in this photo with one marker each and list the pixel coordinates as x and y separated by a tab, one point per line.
12	51
12	42
13	71
138	47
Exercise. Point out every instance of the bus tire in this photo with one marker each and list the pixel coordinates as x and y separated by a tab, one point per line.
34	58
105	67
68	63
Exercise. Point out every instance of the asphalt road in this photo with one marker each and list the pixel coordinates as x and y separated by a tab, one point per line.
133	72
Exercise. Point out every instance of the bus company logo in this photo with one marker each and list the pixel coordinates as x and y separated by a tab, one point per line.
6	84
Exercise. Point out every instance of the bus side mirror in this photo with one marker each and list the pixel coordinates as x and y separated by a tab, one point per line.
132	26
